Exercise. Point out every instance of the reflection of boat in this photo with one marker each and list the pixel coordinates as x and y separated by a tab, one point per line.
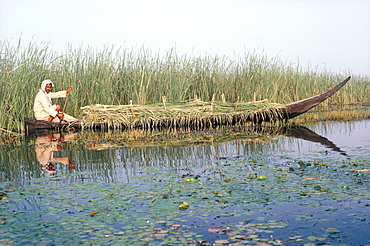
299	132
183	137
285	112
306	134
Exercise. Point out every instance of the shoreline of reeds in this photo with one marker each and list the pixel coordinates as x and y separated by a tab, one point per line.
117	76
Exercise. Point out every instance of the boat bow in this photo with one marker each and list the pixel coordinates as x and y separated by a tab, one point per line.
299	107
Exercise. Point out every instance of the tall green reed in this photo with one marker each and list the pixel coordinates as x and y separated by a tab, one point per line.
112	75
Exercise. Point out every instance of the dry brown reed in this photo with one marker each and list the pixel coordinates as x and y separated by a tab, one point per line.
195	114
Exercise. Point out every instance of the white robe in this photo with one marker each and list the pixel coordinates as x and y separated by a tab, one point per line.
43	107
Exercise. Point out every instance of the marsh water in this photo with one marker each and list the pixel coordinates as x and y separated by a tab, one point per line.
243	185
114	156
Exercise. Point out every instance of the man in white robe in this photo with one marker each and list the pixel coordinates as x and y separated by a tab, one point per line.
43	107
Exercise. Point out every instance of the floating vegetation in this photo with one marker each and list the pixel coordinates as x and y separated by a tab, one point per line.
211	195
241	201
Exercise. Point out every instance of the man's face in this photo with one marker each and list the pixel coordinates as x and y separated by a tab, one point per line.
48	88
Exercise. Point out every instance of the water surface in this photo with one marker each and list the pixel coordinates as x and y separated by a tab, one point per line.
299	185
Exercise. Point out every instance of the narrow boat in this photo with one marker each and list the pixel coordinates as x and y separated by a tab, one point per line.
286	112
294	109
33	125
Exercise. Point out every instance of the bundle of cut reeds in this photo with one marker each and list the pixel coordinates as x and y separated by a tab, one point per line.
194	114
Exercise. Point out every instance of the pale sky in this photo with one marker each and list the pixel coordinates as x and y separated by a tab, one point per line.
331	34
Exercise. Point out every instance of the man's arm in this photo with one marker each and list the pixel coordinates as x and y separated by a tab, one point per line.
60	93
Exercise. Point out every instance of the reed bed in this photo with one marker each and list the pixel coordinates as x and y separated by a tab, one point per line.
118	76
335	113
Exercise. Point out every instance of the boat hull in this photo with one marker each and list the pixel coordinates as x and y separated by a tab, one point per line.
32	125
297	108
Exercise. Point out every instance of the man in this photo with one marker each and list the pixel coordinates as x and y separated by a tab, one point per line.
44	108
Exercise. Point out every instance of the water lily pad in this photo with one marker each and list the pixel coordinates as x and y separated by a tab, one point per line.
215	230
222	241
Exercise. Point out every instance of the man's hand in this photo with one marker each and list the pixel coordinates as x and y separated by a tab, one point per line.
69	89
60	116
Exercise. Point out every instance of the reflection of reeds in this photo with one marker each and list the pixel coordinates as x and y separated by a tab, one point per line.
179	136
113	76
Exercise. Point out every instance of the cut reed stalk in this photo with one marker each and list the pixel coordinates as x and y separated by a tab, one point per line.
194	114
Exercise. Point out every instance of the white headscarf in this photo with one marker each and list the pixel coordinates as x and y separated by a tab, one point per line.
46	82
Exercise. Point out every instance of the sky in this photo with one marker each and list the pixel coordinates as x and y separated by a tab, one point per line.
331	35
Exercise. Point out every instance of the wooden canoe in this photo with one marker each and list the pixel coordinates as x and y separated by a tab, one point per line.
294	109
33	125
287	112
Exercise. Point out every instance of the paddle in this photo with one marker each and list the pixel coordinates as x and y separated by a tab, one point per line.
64	108
65	103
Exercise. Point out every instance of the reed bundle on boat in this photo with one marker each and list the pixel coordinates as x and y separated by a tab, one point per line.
194	114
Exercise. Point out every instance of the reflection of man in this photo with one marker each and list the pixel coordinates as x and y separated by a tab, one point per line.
44	148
